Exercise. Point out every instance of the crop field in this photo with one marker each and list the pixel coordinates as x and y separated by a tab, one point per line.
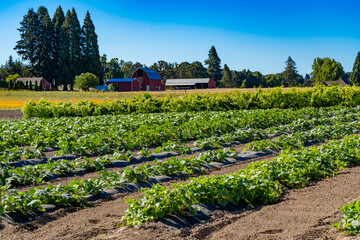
175	172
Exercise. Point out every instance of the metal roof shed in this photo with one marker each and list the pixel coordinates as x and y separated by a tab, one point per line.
197	83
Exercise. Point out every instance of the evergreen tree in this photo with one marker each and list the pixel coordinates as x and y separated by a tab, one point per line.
64	55
40	86
226	80
26	47
44	51
113	69
75	45
36	86
213	62
355	74
290	73
58	21
91	53
236	79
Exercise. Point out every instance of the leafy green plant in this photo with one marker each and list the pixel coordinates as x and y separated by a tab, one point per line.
350	221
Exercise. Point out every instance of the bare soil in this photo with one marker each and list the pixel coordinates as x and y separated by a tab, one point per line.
11	114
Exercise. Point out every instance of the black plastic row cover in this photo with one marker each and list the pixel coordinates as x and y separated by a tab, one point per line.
249	155
39	161
273	135
230	161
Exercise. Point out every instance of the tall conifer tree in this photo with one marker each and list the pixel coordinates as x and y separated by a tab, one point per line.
26	47
290	73
58	21
214	67
64	55
355	74
75	41
91	55
44	52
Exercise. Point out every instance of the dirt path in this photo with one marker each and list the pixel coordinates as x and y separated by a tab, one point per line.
303	214
11	114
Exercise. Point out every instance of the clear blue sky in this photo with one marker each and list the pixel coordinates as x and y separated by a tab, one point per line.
258	35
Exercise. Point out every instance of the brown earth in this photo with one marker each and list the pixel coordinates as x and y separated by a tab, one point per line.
11	114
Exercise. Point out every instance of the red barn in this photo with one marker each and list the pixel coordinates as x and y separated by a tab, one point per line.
125	84
150	80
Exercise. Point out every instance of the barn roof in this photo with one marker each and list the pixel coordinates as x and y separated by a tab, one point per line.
186	82
33	80
29	79
114	80
340	81
151	73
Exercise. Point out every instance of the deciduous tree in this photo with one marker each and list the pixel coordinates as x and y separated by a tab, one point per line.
326	69
85	81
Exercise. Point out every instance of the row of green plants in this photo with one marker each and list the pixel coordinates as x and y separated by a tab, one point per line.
298	140
37	173
75	192
350	221
272	98
33	174
296	127
259	183
99	135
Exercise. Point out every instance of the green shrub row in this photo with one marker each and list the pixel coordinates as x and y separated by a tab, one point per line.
272	98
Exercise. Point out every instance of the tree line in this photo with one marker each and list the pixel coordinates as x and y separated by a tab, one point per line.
58	48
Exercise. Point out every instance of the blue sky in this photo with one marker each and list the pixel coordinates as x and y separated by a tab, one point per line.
258	35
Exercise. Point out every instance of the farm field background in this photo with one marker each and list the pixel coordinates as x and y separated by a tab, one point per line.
99	160
17	99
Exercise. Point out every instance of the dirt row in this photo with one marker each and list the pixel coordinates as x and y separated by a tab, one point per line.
11	114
